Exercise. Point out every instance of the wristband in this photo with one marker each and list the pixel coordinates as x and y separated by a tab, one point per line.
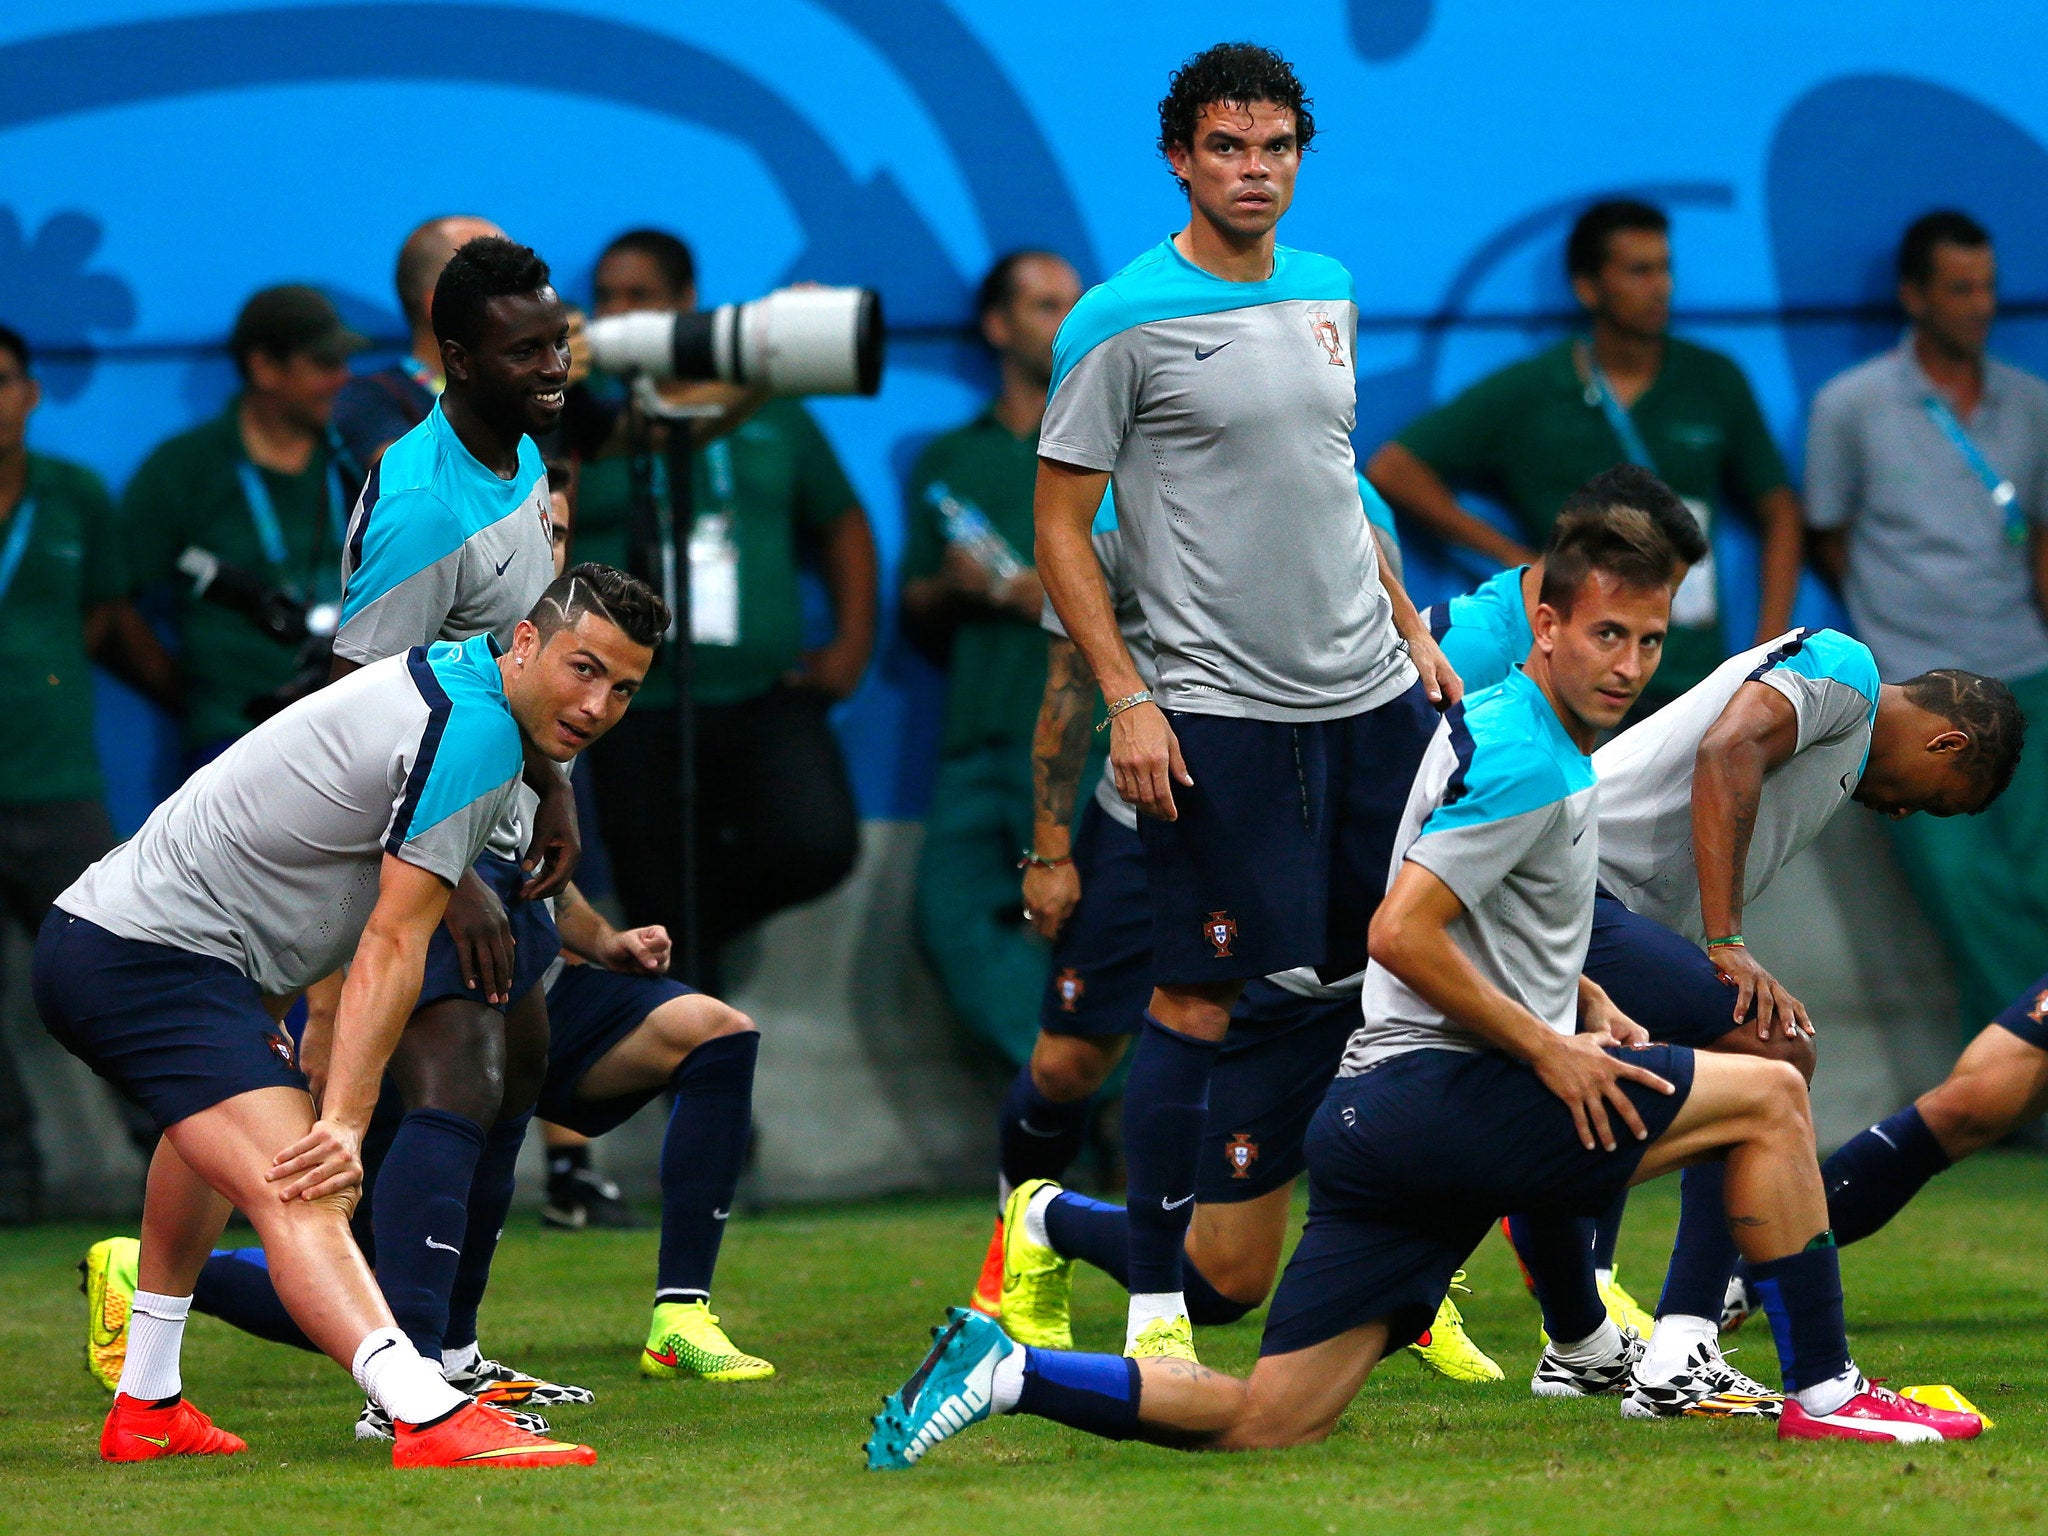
1128	701
1733	941
1032	859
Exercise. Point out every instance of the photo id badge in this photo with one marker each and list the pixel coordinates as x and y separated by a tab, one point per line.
714	581
1697	603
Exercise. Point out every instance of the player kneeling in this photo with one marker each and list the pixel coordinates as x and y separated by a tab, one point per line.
335	829
1487	1078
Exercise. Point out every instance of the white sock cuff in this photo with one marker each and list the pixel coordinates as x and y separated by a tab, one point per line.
168	1309
1034	1215
1825	1397
1598	1347
1673	1342
1007	1385
459	1359
376	1342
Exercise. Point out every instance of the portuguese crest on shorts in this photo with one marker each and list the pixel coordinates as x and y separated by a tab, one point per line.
1220	929
281	1046
2039	1012
1243	1152
1070	986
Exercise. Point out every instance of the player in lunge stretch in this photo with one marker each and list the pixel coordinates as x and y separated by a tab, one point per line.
1488	1075
333	832
1212	380
1286	1035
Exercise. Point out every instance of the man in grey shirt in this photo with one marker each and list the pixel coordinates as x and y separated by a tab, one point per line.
1927	489
1212	380
334	830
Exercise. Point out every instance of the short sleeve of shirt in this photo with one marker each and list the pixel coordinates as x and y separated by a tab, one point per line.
105	567
405	583
1755	467
1094	400
1498	802
822	489
456	781
1831	683
1461	438
1833	480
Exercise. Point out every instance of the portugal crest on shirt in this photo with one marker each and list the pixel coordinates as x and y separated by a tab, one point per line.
1220	928
1070	986
1327	336
1243	1152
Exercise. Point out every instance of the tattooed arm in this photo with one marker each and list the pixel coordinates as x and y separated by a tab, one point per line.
1756	733
1059	751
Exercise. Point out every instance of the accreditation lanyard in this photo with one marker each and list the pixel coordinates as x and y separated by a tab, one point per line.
263	513
2005	497
1600	393
22	529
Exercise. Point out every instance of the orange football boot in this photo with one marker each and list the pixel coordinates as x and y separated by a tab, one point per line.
140	1431
988	1290
478	1436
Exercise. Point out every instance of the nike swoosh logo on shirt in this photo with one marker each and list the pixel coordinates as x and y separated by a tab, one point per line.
1579	834
508	560
444	1247
1173	1205
1203	357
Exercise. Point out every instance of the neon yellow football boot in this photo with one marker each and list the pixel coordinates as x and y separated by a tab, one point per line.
107	1276
1164	1338
685	1340
1623	1309
1038	1285
1448	1350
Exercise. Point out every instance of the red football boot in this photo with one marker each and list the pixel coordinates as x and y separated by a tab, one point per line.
1876	1413
139	1431
478	1436
988	1290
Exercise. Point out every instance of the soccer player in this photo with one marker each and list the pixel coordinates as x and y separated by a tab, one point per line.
1286	1036
1212	380
334	830
1488	1075
452	538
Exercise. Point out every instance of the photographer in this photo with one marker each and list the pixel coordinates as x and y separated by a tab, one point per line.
776	823
264	490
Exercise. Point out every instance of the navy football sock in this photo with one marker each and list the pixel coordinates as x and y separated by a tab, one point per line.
1100	1234
702	1155
1703	1256
1166	1101
421	1218
1872	1176
490	1202
1096	1393
1607	1231
1558	1253
1207	1306
234	1286
1802	1295
1038	1138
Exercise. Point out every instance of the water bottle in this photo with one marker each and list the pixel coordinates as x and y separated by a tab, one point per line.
968	528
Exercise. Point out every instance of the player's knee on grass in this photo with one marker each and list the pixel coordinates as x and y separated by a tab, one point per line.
1068	1068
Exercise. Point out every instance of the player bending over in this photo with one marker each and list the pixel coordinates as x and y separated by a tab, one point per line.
335	829
1488	1076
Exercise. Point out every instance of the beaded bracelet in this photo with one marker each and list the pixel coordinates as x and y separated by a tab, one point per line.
1031	858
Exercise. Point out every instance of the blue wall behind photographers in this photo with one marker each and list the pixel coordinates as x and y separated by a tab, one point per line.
158	162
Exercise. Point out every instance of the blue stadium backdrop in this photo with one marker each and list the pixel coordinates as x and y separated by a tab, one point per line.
159	161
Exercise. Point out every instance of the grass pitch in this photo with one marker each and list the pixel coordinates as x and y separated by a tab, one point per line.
841	1301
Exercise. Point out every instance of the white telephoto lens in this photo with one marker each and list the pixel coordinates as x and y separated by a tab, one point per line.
640	342
803	341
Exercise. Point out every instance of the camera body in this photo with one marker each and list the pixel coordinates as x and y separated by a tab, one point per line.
795	341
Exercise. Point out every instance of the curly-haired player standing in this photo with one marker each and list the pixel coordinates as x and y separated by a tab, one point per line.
1213	380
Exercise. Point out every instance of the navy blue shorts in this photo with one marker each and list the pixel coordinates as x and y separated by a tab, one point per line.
1413	1160
1280	853
174	1031
2025	1014
533	932
1664	982
1275	1066
1101	978
590	1010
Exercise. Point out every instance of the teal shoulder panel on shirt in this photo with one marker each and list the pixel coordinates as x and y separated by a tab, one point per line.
1377	512
1831	655
1105	515
403	533
1162	284
1489	630
1513	757
479	748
